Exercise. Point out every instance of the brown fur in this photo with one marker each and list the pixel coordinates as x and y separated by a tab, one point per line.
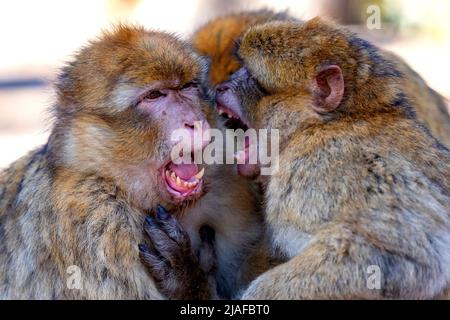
81	199
430	107
363	185
218	38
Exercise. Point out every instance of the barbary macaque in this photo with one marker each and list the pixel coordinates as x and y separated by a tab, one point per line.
360	206
72	211
218	40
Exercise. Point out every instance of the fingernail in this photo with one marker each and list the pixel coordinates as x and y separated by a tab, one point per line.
161	212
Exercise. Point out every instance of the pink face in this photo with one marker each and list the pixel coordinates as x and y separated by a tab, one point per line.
229	104
174	108
237	100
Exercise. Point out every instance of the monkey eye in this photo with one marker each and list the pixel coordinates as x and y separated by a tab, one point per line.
154	94
190	85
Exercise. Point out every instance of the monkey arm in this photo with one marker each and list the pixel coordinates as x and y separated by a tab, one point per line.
99	232
339	264
179	274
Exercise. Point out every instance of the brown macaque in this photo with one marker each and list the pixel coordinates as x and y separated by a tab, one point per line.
360	205
72	211
218	40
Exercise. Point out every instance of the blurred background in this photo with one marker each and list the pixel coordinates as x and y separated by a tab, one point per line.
38	36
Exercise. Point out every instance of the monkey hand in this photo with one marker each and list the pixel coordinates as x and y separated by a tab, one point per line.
177	271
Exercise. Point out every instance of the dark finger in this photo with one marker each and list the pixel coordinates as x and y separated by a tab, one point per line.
164	245
157	265
172	227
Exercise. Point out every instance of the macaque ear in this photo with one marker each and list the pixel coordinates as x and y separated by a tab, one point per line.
328	89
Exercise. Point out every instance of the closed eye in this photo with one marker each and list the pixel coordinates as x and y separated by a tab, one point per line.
154	94
190	85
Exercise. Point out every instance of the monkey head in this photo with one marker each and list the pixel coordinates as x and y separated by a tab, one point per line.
218	40
118	104
295	76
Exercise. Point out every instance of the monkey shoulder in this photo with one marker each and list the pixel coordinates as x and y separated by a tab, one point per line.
406	198
23	172
24	210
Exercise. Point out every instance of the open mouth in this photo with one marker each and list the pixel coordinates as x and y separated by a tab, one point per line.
183	181
231	119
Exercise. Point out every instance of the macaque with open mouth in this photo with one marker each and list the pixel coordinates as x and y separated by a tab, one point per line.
72	211
360	208
219	40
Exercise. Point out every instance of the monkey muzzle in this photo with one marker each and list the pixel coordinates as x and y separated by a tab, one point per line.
229	109
183	181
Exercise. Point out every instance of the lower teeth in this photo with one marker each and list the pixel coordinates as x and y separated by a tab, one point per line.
179	182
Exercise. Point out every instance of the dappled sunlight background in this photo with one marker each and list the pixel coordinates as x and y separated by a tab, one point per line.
38	36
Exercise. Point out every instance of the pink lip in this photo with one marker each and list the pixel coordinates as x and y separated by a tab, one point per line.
223	109
182	192
247	170
184	195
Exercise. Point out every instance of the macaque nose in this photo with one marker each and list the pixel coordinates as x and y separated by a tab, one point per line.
189	126
199	131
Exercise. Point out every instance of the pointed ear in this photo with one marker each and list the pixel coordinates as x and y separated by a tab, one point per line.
328	89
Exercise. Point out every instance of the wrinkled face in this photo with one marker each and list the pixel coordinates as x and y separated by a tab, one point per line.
280	86
159	110
156	110
131	106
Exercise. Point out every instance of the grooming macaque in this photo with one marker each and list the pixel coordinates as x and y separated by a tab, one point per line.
360	207
79	202
218	40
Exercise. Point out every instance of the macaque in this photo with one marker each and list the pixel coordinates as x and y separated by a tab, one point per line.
360	205
219	38
72	211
